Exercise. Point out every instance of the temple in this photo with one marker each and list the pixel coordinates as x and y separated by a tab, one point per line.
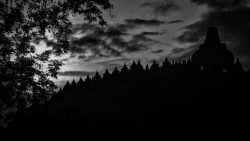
213	55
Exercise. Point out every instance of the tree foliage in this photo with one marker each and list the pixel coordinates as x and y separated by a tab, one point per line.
24	73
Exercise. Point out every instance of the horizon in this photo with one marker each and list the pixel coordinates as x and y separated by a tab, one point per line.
153	29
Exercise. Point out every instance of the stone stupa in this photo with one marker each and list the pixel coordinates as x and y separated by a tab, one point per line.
213	55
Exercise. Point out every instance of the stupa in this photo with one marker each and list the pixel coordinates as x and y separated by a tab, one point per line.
213	55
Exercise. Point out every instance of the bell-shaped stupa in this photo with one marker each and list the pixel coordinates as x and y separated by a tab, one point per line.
213	55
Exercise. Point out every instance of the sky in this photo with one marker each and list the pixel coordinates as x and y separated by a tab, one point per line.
149	30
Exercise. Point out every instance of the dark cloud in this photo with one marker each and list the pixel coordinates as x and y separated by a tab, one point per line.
144	22
182	53
162	7
133	45
158	60
82	28
118	62
123	60
124	27
233	25
177	50
175	21
111	41
90	42
97	42
143	38
158	51
109	30
75	73
97	55
147	33
118	30
222	4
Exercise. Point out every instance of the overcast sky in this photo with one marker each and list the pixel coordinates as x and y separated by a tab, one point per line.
154	29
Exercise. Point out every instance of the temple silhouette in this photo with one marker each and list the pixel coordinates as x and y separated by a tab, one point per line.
213	55
202	96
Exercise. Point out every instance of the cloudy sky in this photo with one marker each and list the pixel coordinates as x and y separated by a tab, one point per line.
153	29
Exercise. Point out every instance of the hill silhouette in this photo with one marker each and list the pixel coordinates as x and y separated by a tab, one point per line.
195	99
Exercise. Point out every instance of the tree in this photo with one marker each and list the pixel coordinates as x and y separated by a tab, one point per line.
238	66
97	77
115	73
139	67
24	73
80	82
73	84
133	67
106	75
166	64
124	70
147	69
154	67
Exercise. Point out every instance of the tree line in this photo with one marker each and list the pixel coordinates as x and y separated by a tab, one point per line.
137	73
179	98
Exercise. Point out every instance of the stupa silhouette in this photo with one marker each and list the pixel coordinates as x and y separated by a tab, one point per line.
213	55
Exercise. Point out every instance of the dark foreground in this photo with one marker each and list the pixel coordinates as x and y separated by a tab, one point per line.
201	106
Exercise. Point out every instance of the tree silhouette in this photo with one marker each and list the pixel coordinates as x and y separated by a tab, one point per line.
80	83
124	70
154	67
238	67
183	98
97	77
139	67
106	75
133	67
24	73
115	72
147	69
